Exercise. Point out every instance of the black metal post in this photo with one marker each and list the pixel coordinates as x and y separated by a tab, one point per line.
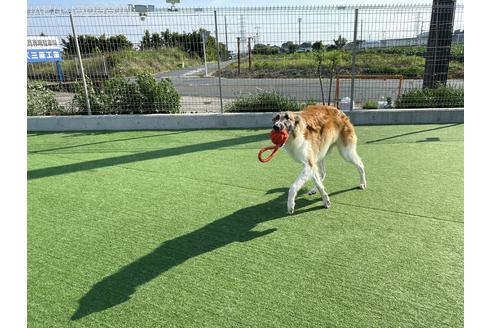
354	51
439	43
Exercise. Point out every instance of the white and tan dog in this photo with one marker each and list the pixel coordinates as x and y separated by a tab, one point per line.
312	133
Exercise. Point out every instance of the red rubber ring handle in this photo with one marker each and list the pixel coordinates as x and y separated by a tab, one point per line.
269	157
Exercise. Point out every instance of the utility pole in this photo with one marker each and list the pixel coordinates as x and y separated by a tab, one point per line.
205	35
299	20
257	35
439	43
238	56
249	53
242	30
227	44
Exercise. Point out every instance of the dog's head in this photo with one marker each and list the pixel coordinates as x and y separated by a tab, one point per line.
285	121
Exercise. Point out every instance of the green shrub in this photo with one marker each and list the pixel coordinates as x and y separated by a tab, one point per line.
264	101
157	97
440	97
370	104
119	95
41	101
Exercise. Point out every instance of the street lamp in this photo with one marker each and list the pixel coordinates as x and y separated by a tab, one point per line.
142	10
173	7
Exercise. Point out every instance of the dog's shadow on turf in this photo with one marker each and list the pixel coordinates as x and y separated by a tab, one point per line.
237	227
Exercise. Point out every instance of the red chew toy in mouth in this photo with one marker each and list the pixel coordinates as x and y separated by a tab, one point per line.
278	137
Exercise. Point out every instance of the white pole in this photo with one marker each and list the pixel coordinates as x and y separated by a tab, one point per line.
86	93
204	53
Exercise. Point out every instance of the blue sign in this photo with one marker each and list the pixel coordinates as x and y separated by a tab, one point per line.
43	55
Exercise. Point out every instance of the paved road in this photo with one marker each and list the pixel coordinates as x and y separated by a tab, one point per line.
191	83
195	71
301	89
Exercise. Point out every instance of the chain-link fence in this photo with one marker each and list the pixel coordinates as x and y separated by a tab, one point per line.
142	59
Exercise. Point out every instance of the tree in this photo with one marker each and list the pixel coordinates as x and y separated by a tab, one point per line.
262	49
334	58
190	43
91	44
340	42
319	56
290	46
146	42
318	45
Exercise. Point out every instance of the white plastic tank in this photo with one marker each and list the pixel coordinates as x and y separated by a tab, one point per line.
345	104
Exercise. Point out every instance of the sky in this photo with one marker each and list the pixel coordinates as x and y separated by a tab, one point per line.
267	26
216	3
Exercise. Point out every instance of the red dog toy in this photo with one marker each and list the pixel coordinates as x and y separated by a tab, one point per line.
278	138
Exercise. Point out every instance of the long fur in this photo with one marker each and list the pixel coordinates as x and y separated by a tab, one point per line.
312	133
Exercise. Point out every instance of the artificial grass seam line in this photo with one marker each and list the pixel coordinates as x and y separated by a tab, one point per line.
398	212
409	143
193	179
173	176
105	142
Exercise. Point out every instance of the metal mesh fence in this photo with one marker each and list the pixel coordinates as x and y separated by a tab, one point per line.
151	60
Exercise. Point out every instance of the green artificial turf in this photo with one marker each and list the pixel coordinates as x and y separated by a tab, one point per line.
188	229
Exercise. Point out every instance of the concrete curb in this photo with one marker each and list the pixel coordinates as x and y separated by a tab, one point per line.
230	120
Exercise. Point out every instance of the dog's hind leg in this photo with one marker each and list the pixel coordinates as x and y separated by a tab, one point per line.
349	153
322	175
306	173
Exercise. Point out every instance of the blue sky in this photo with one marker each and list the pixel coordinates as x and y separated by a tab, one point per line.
273	27
216	3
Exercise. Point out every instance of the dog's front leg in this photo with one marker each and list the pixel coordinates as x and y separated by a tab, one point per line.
296	186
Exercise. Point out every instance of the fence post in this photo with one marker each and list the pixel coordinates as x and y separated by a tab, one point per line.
439	43
354	51
86	93
218	61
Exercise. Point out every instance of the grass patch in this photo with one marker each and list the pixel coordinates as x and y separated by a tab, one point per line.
457	52
303	65
125	63
188	229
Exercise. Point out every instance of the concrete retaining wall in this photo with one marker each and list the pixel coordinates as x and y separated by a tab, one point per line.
230	120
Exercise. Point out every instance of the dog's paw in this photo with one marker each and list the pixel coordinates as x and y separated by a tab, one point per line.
327	203
312	191
363	186
290	209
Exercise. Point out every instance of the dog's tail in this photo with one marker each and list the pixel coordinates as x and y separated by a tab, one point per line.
347	133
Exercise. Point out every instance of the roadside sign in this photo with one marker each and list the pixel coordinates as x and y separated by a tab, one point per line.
43	49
